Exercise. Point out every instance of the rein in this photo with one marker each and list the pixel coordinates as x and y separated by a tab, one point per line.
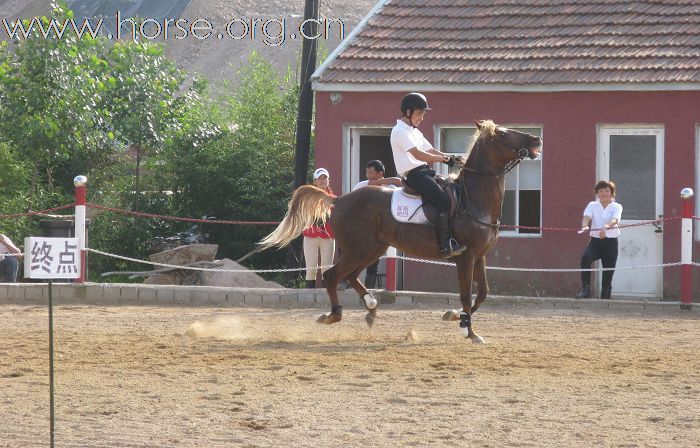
522	154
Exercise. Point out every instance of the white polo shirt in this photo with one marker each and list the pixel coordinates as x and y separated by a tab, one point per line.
601	216
404	138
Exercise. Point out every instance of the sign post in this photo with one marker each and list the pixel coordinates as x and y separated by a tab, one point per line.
80	183
687	248
51	258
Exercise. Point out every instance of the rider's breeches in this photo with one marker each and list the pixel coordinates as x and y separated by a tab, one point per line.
314	246
423	180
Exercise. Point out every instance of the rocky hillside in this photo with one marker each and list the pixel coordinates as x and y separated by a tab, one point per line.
219	59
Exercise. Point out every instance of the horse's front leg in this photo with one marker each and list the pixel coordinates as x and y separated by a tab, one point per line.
480	278
465	267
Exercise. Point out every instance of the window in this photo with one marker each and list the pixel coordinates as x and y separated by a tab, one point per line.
522	205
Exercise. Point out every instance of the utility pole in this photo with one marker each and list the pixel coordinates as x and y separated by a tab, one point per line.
305	114
306	95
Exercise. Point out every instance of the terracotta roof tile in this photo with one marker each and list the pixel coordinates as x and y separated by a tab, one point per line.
521	42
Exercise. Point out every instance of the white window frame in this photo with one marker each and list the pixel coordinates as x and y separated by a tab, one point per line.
441	168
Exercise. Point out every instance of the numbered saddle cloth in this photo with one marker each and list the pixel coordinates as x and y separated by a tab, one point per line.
407	207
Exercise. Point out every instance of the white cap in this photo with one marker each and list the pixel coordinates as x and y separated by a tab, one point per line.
320	172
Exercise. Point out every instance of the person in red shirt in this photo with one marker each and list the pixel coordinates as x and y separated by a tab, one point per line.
318	239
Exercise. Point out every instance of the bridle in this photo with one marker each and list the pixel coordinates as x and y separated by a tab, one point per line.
522	155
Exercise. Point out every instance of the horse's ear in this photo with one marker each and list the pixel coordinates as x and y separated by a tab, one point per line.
479	124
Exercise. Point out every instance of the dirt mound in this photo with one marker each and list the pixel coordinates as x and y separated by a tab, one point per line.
236	279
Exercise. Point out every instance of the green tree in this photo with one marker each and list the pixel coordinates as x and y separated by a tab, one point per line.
141	100
246	172
48	110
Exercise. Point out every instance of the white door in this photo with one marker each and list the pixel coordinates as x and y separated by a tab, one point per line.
370	143
632	157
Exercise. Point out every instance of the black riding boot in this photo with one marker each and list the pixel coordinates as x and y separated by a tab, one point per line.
585	292
449	247
605	292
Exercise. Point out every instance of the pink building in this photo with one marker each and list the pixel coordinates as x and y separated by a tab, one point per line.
612	87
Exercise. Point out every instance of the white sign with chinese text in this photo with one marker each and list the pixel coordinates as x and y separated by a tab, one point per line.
51	258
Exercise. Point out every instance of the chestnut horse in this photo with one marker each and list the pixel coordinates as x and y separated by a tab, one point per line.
364	227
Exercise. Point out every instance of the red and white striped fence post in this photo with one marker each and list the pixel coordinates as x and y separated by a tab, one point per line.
687	248
80	183
391	269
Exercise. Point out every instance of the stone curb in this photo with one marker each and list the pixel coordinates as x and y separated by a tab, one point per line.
110	294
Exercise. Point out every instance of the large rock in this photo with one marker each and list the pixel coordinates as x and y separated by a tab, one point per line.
191	253
181	256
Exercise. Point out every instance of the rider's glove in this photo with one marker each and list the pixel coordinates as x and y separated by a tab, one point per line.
454	160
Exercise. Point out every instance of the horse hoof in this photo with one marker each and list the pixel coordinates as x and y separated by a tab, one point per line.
329	318
475	338
371	317
478	340
451	315
370	302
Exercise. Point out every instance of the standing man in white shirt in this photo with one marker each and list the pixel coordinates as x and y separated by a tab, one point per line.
601	219
412	154
9	260
374	171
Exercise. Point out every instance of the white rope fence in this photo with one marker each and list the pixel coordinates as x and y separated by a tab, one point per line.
498	268
190	268
419	260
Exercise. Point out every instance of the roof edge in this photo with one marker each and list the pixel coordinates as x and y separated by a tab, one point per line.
442	87
345	43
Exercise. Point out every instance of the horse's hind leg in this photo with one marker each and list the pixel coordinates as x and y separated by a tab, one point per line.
330	281
367	297
348	263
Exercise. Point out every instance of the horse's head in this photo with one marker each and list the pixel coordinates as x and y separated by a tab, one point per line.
496	147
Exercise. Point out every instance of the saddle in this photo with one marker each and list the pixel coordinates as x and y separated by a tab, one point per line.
429	210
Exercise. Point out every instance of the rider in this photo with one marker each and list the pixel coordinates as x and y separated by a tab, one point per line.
412	154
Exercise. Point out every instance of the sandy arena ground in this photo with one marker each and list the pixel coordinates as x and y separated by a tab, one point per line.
235	377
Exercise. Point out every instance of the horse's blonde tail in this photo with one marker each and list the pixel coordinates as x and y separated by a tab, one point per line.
308	205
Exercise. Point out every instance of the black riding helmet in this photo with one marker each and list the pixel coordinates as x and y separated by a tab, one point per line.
413	101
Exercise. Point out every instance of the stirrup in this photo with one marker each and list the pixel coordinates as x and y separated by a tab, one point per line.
452	250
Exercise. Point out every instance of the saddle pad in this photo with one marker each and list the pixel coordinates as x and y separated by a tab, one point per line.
407	207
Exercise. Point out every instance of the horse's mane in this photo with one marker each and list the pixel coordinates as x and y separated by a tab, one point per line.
488	129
